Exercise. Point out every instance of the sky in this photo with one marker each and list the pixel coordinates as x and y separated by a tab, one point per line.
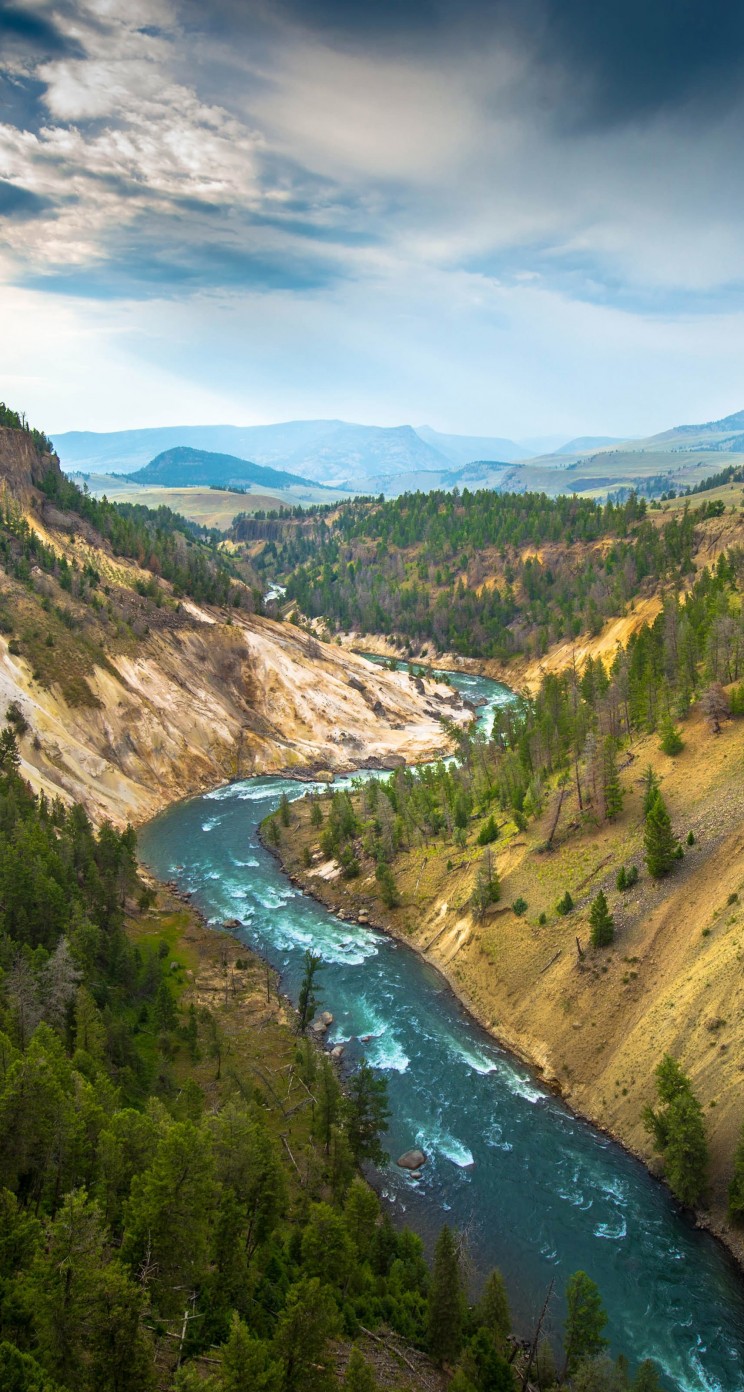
519	218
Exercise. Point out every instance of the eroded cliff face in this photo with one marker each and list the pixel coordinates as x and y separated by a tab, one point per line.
213	701
132	699
22	468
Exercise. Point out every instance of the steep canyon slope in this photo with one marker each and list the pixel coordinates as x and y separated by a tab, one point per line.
135	695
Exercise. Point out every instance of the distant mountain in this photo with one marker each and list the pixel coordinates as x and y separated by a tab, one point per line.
536	445
467	449
584	444
326	451
183	467
715	435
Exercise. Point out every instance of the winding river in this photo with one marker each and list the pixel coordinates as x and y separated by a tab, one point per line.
537	1191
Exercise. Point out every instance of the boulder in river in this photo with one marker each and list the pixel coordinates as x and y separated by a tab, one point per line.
318	1025
412	1160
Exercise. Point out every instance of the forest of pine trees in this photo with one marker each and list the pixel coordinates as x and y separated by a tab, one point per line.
146	1242
413	568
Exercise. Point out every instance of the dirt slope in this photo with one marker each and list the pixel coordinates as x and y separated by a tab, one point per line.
597	1026
133	699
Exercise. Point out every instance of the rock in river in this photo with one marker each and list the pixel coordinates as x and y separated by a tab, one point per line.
412	1160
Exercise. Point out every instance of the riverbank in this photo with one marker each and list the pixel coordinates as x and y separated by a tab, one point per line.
593	1028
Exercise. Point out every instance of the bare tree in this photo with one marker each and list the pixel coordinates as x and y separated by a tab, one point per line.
714	704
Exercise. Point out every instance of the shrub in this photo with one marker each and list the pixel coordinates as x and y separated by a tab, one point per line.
671	739
564	905
691	838
489	832
520	906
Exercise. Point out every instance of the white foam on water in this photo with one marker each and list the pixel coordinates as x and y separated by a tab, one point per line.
448	1146
245	864
477	1061
615	1234
211	824
387	1055
494	1138
517	1084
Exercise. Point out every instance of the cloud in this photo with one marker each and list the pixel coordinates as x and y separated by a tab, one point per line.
17	202
308	168
23	30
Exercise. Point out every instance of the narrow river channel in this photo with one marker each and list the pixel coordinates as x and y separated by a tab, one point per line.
538	1192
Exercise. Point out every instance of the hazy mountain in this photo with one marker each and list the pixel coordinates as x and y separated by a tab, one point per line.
325	451
182	467
536	445
722	434
584	444
466	449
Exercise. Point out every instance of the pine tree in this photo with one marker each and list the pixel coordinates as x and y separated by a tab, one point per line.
613	793
446	1302
650	789
284	813
678	1129
307	1000
359	1377
602	922
671	739
367	1115
309	1319
658	839
492	1310
388	888
646	1378
585	1321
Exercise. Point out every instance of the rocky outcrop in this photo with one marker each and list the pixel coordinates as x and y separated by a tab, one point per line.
208	702
22	467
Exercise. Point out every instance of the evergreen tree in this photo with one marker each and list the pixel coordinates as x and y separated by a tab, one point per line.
646	1378
602	922
671	739
612	791
585	1321
359	1377
492	1310
658	838
388	888
446	1300
284	813
307	1000
307	1322
367	1115
488	833
599	1374
650	789
247	1362
678	1129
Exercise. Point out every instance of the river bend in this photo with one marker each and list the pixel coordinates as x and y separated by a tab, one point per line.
539	1192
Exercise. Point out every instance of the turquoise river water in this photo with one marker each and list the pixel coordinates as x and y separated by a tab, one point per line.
539	1192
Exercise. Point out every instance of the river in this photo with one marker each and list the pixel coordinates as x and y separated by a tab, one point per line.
538	1192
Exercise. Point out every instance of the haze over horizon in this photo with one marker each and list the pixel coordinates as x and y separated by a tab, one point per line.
499	219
